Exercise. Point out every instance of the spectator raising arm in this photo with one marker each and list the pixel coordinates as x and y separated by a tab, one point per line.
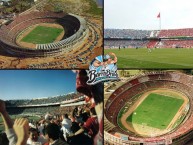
8	123
5	116
21	128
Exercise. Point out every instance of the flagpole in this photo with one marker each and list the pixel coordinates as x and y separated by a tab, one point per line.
159	17
160	23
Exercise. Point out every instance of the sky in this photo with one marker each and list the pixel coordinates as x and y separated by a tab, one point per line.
142	14
30	84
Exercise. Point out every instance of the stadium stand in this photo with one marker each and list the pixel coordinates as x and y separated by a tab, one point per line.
75	27
81	42
71	119
126	33
176	32
125	43
128	38
73	97
142	83
175	44
78	114
152	43
42	105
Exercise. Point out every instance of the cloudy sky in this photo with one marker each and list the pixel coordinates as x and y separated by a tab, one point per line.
30	84
142	14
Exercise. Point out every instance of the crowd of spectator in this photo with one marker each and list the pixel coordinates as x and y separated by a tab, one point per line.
78	127
126	33
148	44
48	100
152	44
175	44
183	38
138	34
38	110
176	32
74	125
125	43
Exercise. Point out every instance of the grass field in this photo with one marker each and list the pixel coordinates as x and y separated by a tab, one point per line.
13	117
42	35
156	111
158	58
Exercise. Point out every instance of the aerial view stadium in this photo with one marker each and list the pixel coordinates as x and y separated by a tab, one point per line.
149	107
146	40
44	98
52	34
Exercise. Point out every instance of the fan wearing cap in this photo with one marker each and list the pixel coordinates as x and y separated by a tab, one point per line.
97	63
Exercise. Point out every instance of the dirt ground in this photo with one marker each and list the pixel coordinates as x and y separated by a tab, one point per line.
144	130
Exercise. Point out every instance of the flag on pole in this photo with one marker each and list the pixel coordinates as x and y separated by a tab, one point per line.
158	16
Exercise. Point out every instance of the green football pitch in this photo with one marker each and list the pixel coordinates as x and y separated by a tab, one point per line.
42	35
158	58
156	111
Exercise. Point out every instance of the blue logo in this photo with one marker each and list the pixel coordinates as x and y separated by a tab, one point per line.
103	68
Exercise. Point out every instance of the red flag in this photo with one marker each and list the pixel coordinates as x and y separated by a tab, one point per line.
158	16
